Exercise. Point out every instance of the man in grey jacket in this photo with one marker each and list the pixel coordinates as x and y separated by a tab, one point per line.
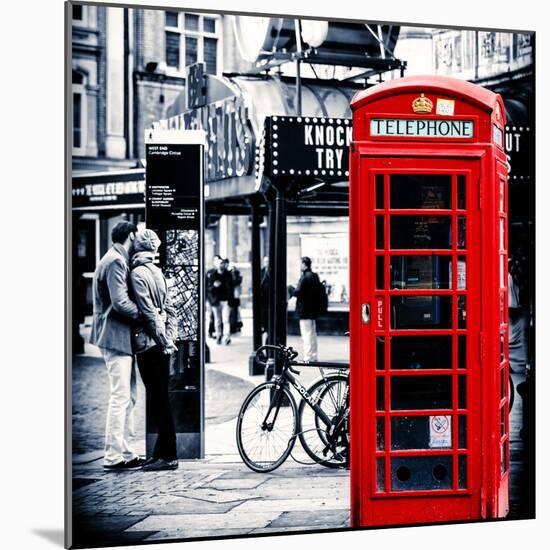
114	314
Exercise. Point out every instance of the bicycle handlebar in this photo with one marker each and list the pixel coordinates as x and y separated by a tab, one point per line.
288	352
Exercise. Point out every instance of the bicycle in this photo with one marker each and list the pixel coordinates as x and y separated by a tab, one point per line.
270	421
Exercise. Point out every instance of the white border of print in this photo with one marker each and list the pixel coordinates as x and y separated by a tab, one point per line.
32	271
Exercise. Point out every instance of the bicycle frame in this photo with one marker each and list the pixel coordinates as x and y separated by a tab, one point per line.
287	377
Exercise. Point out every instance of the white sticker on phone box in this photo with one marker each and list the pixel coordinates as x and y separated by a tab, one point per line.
440	432
445	107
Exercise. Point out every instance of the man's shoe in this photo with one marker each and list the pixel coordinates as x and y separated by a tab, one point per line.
161	464
133	464
218	340
227	341
137	462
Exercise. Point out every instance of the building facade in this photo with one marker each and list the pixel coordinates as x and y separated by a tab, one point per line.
131	69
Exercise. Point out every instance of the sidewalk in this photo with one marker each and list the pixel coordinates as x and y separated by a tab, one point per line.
217	496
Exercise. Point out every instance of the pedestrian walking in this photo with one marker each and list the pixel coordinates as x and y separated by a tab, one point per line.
153	344
311	301
219	292
235	301
209	313
114	314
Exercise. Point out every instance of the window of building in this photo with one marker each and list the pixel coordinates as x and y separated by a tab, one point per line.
80	15
77	12
192	38
79	114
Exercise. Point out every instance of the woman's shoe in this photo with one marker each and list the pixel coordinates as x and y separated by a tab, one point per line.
160	464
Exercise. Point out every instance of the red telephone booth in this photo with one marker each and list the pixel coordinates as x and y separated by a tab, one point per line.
429	302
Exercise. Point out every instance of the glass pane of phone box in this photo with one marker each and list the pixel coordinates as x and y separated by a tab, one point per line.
412	312
421	352
418	191
407	272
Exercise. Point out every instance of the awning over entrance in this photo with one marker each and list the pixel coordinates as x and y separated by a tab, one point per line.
238	115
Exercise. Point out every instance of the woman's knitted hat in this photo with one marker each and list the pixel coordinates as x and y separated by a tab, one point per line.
146	241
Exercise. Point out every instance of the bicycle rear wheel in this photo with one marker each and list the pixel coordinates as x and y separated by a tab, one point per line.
266	427
329	393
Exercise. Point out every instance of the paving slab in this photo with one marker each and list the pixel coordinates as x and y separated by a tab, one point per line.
237	483
204	522
292	505
175	534
316	519
215	496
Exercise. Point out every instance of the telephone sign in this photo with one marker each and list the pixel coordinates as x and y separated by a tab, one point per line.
428	260
411	127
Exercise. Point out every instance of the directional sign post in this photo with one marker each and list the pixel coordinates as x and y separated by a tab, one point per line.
174	209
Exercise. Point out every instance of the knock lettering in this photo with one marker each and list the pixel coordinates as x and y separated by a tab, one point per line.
329	142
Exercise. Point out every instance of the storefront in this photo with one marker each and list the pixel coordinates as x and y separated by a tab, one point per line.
99	201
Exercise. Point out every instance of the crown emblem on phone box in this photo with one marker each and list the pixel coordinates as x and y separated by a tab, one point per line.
422	104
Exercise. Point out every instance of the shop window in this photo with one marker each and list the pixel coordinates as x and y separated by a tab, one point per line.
192	38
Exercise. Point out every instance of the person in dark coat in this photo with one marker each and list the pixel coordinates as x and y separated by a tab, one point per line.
219	293
307	307
235	302
208	281
154	344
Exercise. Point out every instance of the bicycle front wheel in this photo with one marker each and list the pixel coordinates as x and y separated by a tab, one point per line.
266	427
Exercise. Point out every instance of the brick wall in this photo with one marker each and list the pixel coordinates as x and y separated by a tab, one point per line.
148	107
152	44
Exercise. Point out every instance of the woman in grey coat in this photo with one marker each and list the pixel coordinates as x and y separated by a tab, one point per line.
154	343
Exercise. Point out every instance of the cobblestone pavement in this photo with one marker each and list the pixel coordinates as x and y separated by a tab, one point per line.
216	496
211	497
